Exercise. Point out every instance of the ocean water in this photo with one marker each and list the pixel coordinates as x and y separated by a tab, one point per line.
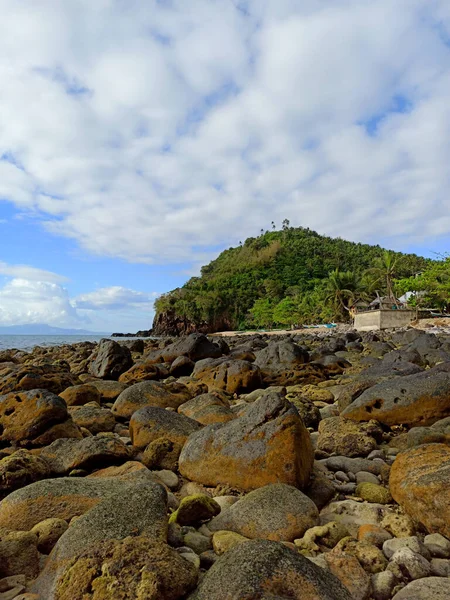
28	342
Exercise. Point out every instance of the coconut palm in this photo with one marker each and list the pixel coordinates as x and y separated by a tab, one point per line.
384	271
342	289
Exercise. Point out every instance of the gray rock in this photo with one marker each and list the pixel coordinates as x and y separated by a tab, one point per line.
276	512
391	546
93	418
195	346
440	567
354	465
263	569
438	545
434	588
353	514
140	509
89	453
408	564
365	477
382	585
280	356
111	360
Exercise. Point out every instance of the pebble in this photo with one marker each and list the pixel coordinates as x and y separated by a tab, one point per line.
438	545
365	477
382	585
413	543
341	476
376	454
440	567
408	564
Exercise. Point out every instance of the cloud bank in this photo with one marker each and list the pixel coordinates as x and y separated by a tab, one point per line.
155	131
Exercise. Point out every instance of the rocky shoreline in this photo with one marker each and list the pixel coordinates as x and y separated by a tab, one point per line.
308	466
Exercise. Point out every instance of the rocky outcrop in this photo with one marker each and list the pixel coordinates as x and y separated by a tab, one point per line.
170	324
232	376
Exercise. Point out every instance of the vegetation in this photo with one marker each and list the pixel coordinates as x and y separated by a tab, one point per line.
288	277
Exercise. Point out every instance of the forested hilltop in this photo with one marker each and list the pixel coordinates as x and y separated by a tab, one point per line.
292	276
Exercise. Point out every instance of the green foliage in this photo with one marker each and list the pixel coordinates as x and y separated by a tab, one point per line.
284	277
432	285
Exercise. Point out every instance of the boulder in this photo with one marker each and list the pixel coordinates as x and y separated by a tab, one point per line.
111	360
48	533
347	438
64	455
419	482
78	395
139	509
267	444
150	393
18	554
93	418
142	371
109	390
51	377
419	399
232	376
182	366
208	409
276	512
195	509
280	356
20	469
195	347
26	415
136	567
436	588
350	573
151	423
261	569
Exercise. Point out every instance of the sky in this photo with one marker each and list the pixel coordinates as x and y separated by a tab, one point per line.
139	138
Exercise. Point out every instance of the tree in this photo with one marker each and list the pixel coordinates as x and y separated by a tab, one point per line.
384	271
342	289
262	313
286	311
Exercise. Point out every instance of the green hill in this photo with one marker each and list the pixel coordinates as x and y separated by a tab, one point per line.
279	273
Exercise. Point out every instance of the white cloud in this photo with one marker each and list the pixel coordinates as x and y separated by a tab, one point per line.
33	296
159	129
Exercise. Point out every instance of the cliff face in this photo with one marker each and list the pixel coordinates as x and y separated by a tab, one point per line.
168	323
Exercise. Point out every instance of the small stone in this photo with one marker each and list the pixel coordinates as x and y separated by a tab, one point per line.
399	525
376	454
408	564
323	535
48	533
440	567
348	570
390	547
225	540
372	492
197	542
345	488
431	588
169	478
382	585
341	476
195	509
373	534
226	501
365	477
18	554
438	545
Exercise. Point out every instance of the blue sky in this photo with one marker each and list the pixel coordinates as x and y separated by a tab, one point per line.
138	139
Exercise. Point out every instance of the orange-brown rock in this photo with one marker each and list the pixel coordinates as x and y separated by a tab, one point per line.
78	395
109	390
152	422
208	409
420	483
21	469
53	378
93	418
420	399
124	471
26	415
232	376
267	444
150	393
143	371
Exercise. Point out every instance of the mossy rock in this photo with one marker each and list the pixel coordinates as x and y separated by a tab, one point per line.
371	492
223	541
195	509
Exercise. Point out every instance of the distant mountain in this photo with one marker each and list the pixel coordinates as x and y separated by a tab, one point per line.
42	329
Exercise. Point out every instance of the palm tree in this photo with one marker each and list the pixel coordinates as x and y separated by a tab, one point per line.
343	288
384	271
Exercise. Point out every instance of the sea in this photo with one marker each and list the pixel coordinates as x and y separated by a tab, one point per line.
28	342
